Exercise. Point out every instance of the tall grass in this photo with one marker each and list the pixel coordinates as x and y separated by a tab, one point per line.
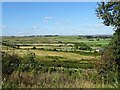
32	73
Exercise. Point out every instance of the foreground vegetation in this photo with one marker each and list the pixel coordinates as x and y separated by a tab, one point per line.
52	71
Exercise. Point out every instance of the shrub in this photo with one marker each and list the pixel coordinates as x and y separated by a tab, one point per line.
82	46
33	47
91	39
55	49
107	67
97	39
9	63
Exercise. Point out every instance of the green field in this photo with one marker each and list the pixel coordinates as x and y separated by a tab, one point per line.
53	61
53	39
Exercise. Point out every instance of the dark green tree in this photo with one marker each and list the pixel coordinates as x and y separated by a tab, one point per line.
109	12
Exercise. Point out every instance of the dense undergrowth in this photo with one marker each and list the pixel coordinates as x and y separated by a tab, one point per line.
28	72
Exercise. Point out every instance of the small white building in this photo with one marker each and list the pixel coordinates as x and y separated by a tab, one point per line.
100	50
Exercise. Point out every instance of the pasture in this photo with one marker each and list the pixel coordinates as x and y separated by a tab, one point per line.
54	61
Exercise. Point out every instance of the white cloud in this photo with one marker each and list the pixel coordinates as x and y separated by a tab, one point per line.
35	27
47	18
95	25
99	25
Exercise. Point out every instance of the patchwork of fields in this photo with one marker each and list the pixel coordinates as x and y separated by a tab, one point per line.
56	61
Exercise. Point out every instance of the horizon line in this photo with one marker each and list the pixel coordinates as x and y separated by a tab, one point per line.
63	35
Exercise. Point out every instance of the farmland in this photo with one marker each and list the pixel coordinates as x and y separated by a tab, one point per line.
53	61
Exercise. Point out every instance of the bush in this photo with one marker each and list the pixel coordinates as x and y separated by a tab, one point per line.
10	61
97	39
91	39
107	67
55	49
82	46
33	47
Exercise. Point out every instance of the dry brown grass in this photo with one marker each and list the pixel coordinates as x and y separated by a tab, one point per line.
68	55
53	80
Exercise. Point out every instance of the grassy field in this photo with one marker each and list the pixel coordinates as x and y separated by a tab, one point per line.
50	62
55	39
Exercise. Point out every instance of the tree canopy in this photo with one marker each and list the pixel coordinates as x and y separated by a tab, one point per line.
109	12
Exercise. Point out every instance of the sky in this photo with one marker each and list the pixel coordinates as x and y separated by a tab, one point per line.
51	18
